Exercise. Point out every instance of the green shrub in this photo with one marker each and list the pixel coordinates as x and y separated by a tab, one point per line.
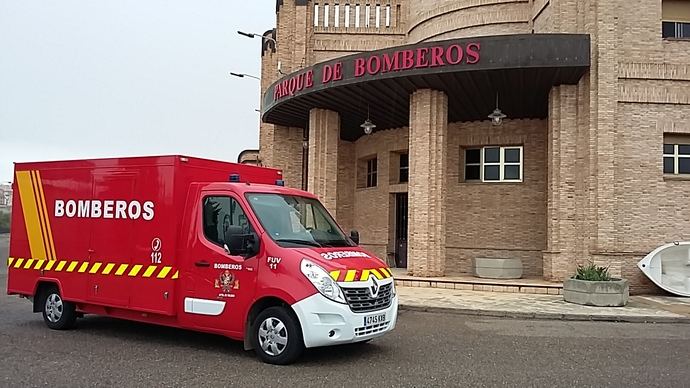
593	273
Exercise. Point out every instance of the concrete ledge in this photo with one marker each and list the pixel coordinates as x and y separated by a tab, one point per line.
497	268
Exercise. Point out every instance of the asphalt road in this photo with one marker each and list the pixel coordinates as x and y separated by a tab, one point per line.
425	350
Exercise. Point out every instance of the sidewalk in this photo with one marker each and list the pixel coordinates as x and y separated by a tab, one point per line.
656	309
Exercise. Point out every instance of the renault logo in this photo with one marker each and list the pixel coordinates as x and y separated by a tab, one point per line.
374	288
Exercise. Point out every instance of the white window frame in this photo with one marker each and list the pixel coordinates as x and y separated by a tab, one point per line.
326	16
501	164
357	9
388	15
378	16
316	14
336	15
347	15
367	15
676	158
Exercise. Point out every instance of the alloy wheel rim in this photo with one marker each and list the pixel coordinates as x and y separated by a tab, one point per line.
53	308
273	336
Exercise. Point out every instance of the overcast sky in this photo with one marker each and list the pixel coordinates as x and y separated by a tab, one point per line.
85	79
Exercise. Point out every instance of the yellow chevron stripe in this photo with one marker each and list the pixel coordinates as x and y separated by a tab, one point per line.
350	276
41	212
365	275
30	212
108	268
335	275
385	272
49	265
135	270
164	272
376	273
49	230
84	267
121	269
95	267
71	266
149	271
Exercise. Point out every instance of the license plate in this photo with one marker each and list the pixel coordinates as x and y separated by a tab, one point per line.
374	319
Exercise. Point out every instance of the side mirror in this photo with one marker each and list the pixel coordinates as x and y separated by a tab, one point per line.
238	242
354	236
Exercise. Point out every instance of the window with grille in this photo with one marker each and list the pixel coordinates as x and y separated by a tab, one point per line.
494	164
676	159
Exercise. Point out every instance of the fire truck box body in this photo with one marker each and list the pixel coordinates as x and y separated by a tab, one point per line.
169	240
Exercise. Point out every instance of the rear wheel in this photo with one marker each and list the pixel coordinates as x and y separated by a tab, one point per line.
277	336
57	313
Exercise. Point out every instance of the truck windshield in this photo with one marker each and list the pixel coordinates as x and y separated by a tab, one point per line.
293	221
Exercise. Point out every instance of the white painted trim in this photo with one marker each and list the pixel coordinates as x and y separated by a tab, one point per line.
203	306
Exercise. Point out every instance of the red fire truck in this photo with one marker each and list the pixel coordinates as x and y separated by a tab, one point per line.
197	244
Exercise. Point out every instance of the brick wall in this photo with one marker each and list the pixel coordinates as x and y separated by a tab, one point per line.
600	193
497	219
441	19
372	209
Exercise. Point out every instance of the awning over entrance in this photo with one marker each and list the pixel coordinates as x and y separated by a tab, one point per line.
521	69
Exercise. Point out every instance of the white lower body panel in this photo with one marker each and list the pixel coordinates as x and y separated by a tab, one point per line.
203	306
325	322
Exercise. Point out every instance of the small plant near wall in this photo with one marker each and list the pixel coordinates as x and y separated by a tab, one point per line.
593	273
593	285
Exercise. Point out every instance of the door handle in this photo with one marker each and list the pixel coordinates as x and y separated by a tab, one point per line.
202	263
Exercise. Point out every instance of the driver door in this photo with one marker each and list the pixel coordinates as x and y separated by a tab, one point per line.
222	285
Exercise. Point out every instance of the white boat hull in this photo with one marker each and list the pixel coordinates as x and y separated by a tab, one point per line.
669	267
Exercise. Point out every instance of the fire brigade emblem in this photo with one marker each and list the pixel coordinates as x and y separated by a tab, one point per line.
227	282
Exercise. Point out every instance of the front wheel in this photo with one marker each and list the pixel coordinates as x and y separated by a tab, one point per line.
57	313
277	336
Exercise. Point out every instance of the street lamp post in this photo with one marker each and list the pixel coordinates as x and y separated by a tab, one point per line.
242	75
263	37
252	35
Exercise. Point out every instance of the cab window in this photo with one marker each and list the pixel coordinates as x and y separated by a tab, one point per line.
220	212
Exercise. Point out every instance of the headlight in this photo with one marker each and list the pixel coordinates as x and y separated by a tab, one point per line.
323	282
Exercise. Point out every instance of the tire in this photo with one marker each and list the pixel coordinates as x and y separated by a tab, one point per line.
277	336
57	313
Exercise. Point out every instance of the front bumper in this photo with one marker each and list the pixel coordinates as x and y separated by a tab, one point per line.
325	322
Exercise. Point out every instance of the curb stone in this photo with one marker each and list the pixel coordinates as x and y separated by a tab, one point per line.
546	316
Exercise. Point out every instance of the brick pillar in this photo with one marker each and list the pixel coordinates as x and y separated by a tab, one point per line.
564	210
324	136
426	244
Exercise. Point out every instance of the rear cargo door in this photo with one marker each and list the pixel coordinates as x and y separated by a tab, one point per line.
110	240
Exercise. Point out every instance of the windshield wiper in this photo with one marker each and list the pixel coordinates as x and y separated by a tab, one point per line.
296	241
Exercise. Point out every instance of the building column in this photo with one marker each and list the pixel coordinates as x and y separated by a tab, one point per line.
281	147
324	136
567	206
426	244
